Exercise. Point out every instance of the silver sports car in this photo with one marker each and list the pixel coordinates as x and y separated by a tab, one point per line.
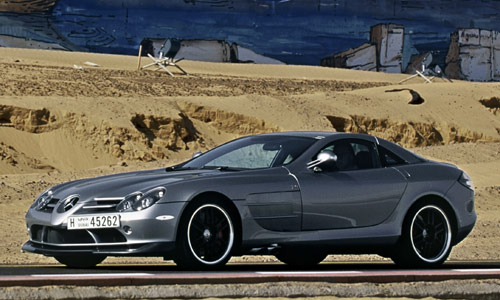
298	195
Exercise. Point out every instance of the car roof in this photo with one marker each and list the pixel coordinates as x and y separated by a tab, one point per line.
308	134
397	149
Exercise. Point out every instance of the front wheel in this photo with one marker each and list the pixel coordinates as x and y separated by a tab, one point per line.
80	261
206	236
426	238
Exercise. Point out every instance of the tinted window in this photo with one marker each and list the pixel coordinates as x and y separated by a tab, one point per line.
389	159
352	155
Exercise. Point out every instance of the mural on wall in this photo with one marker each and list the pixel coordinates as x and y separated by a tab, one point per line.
291	31
474	55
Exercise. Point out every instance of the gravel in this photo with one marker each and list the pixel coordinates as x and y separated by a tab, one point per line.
454	289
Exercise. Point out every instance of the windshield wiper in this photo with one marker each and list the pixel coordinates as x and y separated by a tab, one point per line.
174	168
220	168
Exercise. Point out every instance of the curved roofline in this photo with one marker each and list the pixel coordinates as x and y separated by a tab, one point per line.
310	134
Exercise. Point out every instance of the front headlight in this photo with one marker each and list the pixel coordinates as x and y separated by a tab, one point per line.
42	200
127	203
139	201
466	181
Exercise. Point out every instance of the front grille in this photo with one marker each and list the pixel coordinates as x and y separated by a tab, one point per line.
45	234
51	235
102	205
70	202
36	233
108	235
51	205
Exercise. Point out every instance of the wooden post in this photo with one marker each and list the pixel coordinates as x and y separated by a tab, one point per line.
139	59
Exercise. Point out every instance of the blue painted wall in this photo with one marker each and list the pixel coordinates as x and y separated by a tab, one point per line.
294	31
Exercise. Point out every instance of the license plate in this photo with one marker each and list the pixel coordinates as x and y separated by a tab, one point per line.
89	222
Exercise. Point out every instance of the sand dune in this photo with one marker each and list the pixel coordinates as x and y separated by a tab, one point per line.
59	123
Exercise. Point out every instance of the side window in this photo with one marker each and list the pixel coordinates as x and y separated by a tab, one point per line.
389	159
353	154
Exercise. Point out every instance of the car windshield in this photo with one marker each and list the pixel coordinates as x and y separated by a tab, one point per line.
254	152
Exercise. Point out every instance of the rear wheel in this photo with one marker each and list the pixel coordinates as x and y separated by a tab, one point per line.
426	238
206	236
80	261
300	257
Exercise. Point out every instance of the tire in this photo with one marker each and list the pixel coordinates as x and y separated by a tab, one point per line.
80	261
206	236
426	239
299	257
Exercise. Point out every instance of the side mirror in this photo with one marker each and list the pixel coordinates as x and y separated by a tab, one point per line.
323	157
196	154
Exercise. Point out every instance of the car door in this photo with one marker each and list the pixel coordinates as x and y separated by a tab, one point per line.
356	191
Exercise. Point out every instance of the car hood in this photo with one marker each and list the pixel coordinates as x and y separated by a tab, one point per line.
120	185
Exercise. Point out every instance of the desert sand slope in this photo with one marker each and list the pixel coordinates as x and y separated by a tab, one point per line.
59	123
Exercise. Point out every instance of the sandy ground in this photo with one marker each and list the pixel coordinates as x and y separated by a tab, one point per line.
59	123
461	289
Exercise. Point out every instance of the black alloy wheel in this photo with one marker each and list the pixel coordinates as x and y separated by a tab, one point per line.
207	239
426	238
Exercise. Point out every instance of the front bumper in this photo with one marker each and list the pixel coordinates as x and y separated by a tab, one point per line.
153	249
151	232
